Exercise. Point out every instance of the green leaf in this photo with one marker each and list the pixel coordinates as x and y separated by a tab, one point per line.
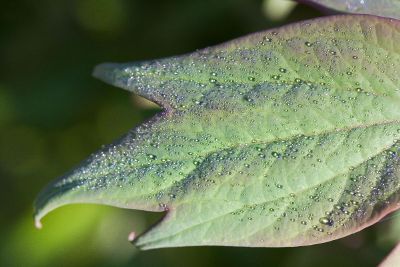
286	137
386	8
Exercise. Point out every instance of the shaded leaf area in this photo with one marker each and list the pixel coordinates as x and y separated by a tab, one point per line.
385	8
282	138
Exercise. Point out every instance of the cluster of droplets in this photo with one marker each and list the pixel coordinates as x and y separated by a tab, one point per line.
260	117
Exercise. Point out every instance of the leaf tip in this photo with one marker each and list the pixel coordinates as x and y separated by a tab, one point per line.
50	198
38	224
41	209
131	236
105	72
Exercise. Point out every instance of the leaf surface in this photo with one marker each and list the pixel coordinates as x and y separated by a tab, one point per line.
385	8
286	137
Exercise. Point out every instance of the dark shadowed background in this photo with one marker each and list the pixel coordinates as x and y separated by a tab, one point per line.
53	114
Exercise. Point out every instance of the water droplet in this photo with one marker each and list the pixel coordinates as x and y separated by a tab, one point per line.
267	39
338	207
325	220
151	156
355	5
275	154
308	44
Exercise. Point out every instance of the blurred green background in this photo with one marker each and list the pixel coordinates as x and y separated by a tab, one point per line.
53	114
